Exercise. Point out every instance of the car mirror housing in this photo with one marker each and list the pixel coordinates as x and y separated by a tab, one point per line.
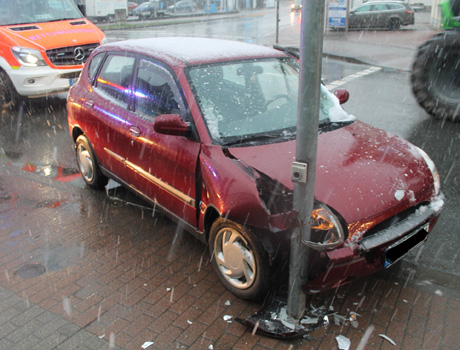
171	124
342	94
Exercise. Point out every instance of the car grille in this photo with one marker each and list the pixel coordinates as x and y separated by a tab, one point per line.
68	56
393	220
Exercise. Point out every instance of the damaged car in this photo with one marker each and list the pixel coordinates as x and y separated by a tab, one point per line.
206	130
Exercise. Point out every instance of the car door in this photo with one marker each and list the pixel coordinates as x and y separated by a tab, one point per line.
381	14
359	17
162	167
108	106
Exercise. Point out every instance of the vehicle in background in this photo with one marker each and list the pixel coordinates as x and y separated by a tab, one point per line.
418	6
131	7
149	10
43	46
102	10
389	15
183	6
435	73
296	6
206	130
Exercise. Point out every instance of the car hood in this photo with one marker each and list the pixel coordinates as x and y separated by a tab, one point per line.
361	171
45	36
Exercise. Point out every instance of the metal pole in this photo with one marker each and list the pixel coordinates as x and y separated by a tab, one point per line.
311	48
277	20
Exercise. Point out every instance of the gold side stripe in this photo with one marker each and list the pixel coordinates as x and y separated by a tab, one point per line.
175	192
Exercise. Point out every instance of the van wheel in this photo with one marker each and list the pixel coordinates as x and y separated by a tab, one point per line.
8	95
239	259
88	165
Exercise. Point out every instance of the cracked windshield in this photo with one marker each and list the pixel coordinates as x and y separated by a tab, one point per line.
229	174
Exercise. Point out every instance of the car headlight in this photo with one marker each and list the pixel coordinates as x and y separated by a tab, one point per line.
28	57
434	171
326	230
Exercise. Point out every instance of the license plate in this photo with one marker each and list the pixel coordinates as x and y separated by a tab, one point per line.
400	248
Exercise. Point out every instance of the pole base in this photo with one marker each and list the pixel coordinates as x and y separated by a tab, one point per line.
272	321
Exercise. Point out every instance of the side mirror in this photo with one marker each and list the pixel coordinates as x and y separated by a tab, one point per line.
171	124
342	94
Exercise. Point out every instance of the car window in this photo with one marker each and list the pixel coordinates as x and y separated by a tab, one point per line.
395	6
94	64
379	7
365	8
155	91
115	77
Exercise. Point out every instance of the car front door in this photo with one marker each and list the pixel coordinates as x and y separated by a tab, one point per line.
360	17
161	167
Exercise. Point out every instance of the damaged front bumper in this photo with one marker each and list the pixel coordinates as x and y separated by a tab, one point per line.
378	251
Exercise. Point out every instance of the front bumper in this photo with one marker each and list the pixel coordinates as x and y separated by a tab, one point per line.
379	251
42	81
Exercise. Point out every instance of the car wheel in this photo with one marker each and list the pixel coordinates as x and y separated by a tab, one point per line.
87	164
239	259
394	24
8	95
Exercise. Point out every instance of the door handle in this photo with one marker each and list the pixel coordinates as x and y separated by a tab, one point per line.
135	131
89	104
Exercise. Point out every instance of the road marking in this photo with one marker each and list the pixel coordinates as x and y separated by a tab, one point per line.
335	84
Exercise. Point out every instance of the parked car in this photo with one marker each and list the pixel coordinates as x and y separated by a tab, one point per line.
183	6
381	15
149	10
296	5
205	129
131	7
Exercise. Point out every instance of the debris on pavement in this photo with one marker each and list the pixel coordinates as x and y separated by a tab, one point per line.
343	342
147	344
387	338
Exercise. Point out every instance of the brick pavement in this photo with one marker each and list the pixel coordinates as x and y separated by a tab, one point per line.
118	275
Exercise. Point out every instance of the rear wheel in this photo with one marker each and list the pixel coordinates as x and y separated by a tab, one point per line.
8	95
87	164
436	76
394	24
239	259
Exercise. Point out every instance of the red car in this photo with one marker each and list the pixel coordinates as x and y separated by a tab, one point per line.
206	128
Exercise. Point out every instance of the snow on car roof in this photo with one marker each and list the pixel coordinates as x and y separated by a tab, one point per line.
192	51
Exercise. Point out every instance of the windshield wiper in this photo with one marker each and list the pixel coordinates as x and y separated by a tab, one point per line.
259	138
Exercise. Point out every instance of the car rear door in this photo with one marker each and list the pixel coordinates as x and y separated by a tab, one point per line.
107	106
162	167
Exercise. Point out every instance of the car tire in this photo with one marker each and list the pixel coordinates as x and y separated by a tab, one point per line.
8	95
239	259
394	24
435	76
88	165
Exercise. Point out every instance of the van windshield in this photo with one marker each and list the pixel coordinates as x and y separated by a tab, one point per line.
37	11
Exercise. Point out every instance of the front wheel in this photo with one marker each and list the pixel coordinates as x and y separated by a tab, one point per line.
8	95
87	164
239	259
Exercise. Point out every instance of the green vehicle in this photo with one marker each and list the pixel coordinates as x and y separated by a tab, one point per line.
436	70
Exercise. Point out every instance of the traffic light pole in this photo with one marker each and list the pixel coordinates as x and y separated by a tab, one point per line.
304	168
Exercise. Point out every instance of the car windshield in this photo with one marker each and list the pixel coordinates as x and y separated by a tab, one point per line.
255	100
37	11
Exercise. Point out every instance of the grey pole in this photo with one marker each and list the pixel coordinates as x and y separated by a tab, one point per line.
304	169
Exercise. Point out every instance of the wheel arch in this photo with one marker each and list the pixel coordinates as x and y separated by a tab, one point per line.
76	131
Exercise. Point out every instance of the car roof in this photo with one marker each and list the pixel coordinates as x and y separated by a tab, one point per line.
186	51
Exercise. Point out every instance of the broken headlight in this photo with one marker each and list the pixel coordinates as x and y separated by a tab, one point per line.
326	230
